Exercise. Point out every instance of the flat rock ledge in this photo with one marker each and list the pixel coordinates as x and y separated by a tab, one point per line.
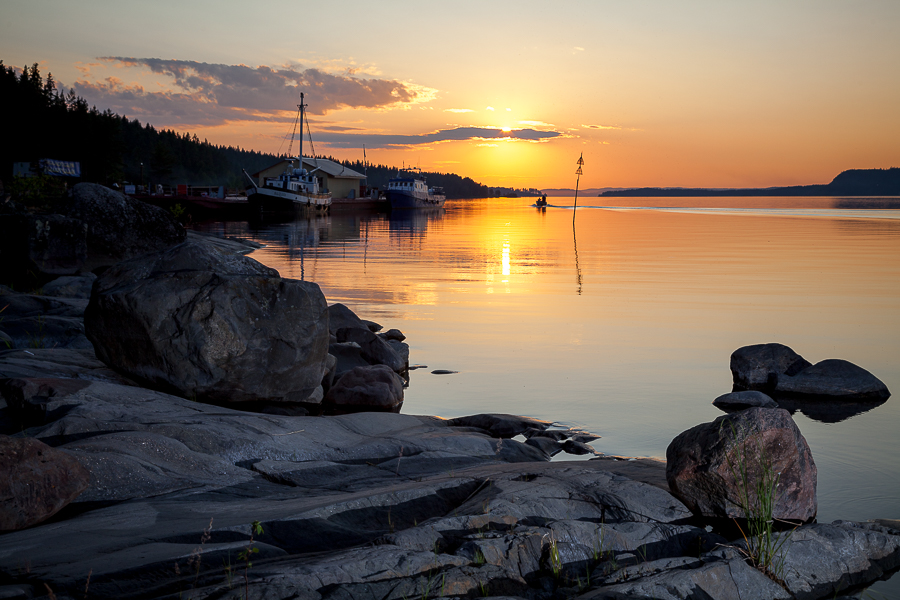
378	505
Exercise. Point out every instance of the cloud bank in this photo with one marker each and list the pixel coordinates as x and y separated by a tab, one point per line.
210	94
444	135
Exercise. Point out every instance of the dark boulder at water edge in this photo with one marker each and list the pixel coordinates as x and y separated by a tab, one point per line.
741	400
781	372
834	379
704	465
758	367
210	326
366	388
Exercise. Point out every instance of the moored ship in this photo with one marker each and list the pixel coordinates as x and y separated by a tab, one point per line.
411	191
295	188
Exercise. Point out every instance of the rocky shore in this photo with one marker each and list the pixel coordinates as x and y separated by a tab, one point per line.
181	422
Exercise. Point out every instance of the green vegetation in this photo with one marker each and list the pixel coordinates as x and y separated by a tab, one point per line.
248	552
757	484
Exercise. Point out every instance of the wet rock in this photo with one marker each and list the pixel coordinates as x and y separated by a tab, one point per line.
758	367
120	227
216	327
36	481
704	462
392	334
834	379
577	448
375	387
373	349
499	425
554	434
547	445
742	400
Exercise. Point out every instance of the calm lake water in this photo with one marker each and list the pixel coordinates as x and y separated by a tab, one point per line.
624	325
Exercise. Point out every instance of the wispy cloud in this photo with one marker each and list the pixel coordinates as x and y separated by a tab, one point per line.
602	126
491	108
535	123
458	110
196	93
457	134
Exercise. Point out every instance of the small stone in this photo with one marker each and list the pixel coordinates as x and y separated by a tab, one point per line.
742	400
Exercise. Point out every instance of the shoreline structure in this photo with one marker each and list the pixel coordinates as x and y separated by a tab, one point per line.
133	487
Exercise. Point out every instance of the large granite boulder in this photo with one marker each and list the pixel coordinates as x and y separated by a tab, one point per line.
210	326
759	367
368	388
704	465
834	379
36	481
119	227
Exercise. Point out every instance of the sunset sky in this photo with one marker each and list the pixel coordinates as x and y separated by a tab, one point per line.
657	93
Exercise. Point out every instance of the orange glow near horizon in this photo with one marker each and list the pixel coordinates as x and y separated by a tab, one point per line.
688	94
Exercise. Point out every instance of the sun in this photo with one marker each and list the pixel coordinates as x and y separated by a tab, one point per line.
506	129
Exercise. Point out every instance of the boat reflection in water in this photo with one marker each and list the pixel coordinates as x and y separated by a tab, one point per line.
414	221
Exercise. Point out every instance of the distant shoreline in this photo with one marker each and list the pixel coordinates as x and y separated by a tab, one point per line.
855	182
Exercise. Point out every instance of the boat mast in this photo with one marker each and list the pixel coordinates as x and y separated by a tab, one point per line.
301	131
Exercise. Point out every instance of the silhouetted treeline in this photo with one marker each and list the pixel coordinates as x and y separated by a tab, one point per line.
854	182
454	185
50	123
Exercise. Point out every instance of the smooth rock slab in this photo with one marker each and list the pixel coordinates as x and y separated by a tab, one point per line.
714	580
212	326
704	462
820	561
36	481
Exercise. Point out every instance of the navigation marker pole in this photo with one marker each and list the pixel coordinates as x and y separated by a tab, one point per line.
578	172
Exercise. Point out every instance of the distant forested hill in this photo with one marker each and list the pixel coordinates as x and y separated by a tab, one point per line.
50	123
855	182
